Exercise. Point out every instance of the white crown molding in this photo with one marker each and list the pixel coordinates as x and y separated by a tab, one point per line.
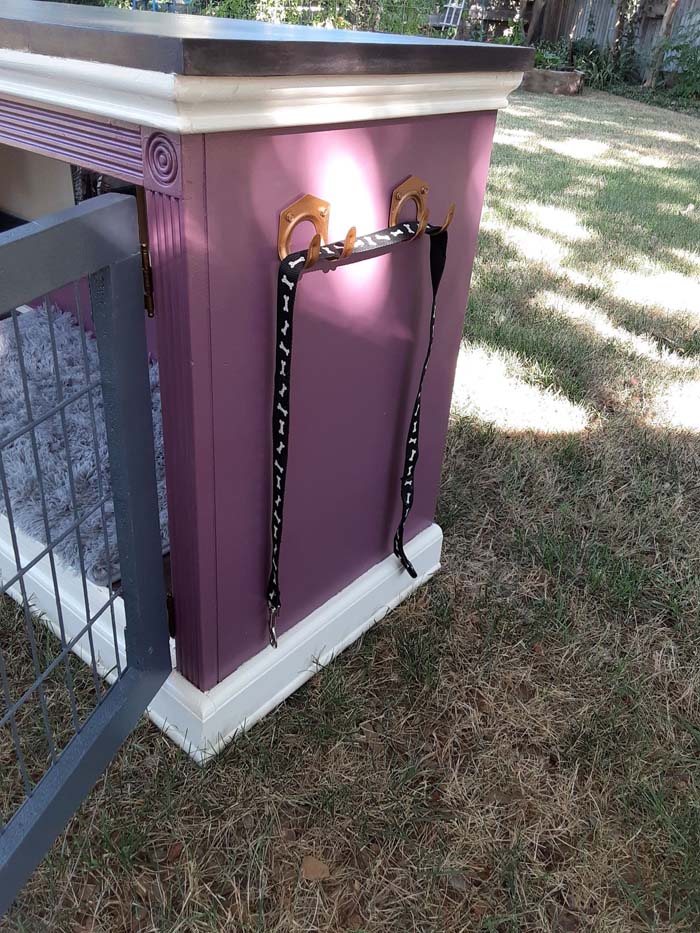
188	104
203	722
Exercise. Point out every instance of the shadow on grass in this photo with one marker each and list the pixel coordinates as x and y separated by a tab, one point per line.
506	311
577	553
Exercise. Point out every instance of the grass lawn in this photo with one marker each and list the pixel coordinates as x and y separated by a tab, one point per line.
517	747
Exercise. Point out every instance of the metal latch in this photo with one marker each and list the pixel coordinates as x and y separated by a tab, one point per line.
147	280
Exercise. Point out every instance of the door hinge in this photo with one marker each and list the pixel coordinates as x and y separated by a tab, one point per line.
142	212
147	280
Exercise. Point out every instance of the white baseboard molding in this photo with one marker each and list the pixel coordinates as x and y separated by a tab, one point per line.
203	722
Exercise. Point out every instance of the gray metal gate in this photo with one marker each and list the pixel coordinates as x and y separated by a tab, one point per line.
60	726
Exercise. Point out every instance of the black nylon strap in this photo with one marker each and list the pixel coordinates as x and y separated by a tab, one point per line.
290	270
438	255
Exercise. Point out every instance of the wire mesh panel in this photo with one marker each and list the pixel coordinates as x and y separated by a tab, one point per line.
80	543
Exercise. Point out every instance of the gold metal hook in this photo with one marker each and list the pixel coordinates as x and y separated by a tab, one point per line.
448	219
307	207
412	189
348	245
313	252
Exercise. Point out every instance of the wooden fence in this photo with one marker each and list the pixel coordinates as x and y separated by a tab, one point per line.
595	19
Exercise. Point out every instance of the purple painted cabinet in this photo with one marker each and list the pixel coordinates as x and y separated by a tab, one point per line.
223	124
360	337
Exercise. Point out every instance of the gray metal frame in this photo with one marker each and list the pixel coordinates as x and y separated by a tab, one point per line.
97	239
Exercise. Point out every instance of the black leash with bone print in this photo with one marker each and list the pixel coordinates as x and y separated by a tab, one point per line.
290	270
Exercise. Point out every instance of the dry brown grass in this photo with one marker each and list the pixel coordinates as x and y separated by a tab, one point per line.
60	715
517	747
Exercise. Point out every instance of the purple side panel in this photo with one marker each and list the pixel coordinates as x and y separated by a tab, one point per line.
360	337
104	147
181	291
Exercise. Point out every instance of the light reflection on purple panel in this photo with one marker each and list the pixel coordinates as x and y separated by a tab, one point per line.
360	337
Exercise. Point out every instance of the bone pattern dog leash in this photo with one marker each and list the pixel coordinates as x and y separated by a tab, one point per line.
290	271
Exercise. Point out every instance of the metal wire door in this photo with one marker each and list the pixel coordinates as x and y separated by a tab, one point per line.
62	721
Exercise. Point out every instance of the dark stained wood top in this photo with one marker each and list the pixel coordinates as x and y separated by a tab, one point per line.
202	45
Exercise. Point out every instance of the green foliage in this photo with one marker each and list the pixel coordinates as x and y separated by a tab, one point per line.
623	75
598	66
606	70
684	57
658	97
126	4
513	34
396	16
551	56
236	9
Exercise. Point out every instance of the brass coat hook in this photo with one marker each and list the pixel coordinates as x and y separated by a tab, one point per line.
448	219
422	223
317	212
307	207
313	252
348	245
412	189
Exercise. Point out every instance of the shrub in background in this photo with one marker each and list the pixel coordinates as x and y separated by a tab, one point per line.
683	69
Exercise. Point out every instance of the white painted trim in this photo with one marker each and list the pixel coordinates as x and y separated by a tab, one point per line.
188	104
202	723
